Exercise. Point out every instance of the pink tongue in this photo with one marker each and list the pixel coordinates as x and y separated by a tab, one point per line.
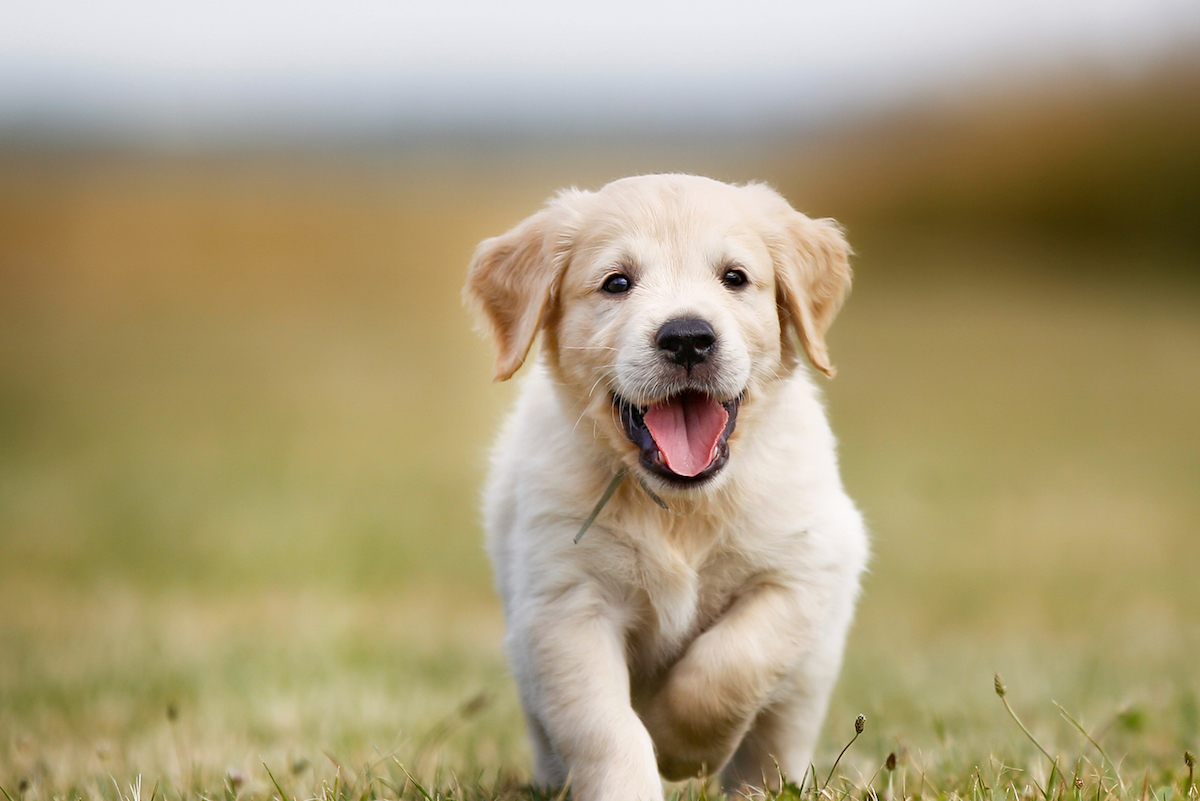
686	429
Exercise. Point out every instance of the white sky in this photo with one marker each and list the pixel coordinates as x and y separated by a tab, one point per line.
158	65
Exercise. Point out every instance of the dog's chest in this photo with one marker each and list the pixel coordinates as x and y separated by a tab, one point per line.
682	592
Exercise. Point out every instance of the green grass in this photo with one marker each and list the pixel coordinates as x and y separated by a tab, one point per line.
243	422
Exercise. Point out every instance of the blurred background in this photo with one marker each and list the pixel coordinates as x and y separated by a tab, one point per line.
244	418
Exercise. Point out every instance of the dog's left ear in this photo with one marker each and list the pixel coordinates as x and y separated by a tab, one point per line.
512	281
812	279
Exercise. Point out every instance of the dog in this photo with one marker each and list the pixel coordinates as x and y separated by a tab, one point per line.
676	556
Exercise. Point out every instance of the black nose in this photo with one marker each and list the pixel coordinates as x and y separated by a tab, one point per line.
686	340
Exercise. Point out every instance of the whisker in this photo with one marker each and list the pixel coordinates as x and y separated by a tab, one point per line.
594	385
579	420
582	414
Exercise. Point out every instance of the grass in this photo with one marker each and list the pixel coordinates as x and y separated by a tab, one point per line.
243	420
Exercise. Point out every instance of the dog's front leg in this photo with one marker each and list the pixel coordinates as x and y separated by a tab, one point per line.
711	696
569	657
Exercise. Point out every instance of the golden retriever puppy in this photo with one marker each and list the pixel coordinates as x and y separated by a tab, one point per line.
698	623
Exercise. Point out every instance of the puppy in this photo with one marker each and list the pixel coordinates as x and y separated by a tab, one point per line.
704	636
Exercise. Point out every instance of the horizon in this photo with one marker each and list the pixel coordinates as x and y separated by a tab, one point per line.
134	71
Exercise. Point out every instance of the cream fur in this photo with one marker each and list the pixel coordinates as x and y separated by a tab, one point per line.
705	638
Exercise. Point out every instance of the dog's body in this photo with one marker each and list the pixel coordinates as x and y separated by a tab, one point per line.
707	635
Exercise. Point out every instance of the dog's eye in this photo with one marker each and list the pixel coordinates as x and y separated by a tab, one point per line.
616	284
734	278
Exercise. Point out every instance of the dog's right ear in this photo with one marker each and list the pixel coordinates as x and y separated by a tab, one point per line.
513	280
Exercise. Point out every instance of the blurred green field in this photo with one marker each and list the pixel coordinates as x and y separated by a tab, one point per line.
243	424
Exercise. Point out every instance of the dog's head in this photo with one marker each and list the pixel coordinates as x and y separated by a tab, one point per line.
666	302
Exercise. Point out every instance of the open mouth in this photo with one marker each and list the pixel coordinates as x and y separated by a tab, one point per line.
683	438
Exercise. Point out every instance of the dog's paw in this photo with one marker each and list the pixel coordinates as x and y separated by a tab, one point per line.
691	737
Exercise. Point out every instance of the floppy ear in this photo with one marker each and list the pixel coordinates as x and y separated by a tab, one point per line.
512	280
812	278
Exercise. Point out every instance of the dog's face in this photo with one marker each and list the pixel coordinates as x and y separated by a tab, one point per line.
667	302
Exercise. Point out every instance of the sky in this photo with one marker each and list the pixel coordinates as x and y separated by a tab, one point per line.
220	67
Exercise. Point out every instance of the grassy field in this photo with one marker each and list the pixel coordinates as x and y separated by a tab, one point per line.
243	421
